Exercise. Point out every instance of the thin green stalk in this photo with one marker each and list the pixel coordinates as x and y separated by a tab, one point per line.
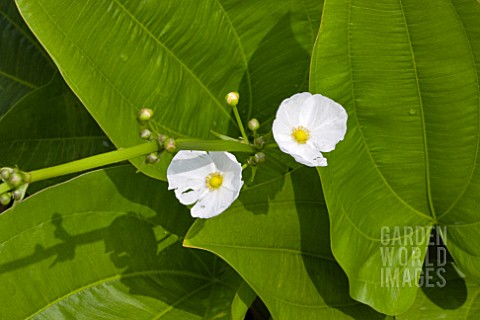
240	124
93	162
129	153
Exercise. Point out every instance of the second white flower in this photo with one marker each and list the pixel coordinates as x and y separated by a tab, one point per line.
307	125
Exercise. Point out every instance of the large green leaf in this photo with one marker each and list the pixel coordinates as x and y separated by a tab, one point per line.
24	65
178	57
281	248
407	73
107	245
47	127
457	298
242	302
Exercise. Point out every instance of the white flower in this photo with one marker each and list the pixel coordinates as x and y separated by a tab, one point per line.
211	181
307	125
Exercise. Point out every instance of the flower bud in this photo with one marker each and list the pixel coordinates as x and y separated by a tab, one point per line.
144	115
170	145
5	199
232	98
259	142
253	124
145	134
15	180
17	195
152	158
260	157
5	173
161	139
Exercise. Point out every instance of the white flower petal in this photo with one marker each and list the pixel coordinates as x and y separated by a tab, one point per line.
213	203
188	173
188	166
190	193
225	161
282	131
325	120
233	182
309	111
289	110
329	125
207	206
306	154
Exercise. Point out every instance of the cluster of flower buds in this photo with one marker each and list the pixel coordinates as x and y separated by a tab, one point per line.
148	132
143	117
17	181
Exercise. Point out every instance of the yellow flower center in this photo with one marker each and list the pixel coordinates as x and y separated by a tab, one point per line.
301	134
214	180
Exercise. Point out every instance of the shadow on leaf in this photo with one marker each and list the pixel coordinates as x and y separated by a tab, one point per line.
317	256
142	262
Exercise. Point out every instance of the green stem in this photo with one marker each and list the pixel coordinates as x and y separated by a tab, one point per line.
129	153
93	162
240	124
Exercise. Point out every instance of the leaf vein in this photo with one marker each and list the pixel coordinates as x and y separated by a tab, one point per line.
184	66
478	119
382	177
422	114
119	277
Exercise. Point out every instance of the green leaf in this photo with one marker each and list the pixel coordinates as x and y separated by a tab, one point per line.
107	245
407	73
47	127
179	58
281	248
24	65
455	298
242	301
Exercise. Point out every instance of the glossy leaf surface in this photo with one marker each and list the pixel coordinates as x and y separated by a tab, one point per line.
47	127
281	248
408	74
179	58
67	253
24	65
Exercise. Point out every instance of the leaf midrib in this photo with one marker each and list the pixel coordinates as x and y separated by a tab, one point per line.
18	80
118	277
182	64
422	114
258	248
109	82
382	177
244	57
